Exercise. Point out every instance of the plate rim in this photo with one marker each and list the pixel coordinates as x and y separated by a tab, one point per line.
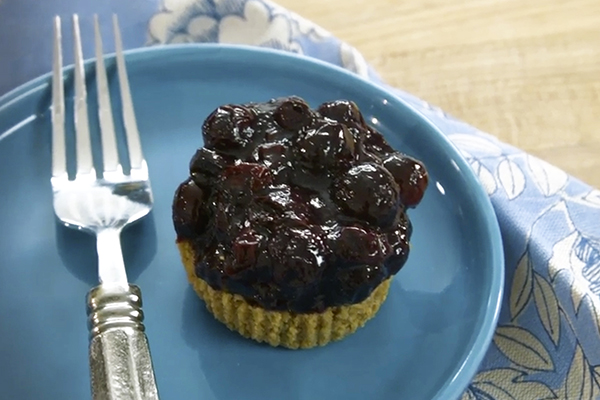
456	384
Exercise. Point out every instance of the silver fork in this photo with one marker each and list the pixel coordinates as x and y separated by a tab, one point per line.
120	363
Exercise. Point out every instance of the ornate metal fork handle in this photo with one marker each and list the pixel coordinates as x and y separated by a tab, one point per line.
120	363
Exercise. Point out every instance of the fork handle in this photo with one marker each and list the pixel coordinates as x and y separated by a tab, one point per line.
120	363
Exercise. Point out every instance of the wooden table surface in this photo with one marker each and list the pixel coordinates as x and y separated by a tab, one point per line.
527	72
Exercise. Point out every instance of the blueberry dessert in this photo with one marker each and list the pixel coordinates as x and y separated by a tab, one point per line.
293	220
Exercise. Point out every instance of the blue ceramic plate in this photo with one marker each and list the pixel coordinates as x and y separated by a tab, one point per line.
425	343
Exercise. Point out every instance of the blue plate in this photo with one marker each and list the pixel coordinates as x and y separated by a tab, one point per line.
425	343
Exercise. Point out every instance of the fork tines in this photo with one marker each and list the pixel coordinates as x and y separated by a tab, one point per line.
110	156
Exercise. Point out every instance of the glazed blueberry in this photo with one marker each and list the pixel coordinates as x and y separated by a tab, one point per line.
402	222
295	255
329	145
367	191
358	245
398	242
342	111
246	250
205	166
229	129
297	209
287	207
245	179
217	261
358	282
272	155
188	210
410	175
375	143
293	114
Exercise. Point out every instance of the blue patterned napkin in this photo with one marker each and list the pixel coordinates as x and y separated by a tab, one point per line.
547	343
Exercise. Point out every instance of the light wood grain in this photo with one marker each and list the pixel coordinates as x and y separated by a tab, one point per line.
525	71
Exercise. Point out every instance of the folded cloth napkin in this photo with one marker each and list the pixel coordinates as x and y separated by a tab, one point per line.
547	343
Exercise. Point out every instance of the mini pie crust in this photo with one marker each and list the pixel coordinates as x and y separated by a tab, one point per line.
282	328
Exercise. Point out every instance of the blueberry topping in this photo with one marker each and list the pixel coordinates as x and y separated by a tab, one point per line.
343	111
228	129
330	145
410	175
297	209
369	192
205	166
293	114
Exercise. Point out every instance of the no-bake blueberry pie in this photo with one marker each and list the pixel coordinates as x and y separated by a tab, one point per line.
293	220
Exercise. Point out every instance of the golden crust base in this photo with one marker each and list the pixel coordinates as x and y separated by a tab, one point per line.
282	328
